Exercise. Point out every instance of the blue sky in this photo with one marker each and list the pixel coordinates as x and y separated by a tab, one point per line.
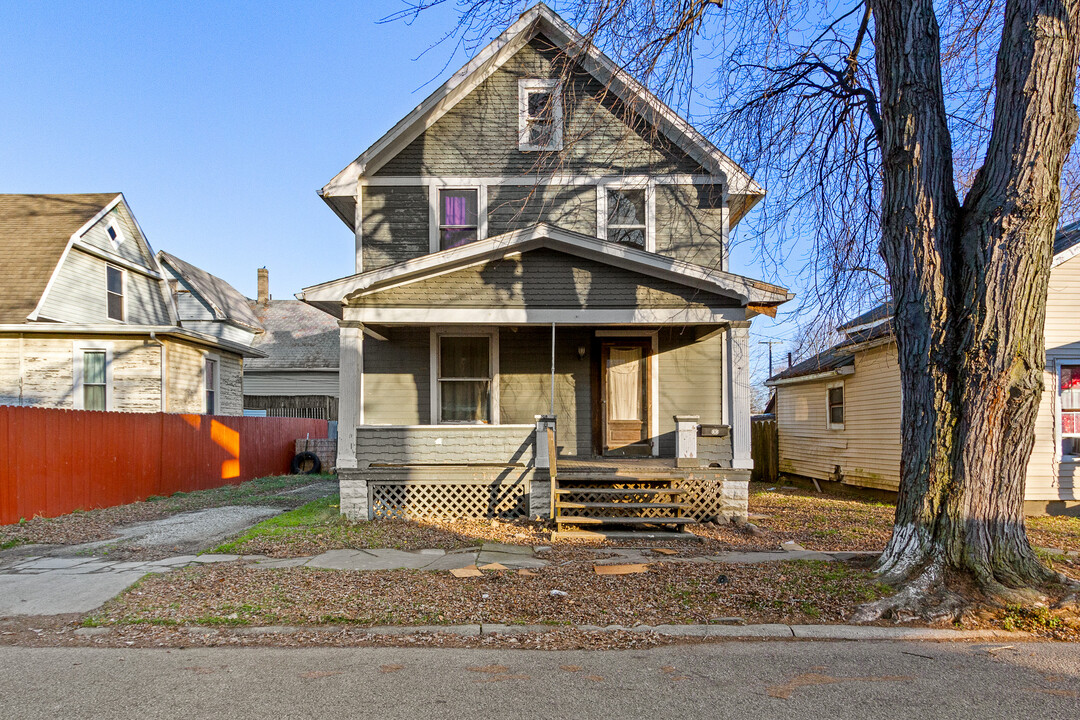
220	123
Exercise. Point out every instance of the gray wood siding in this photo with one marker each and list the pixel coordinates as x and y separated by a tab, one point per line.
291	382
544	278
222	330
479	136
78	295
571	207
395	225
691	380
397	384
525	382
190	307
133	247
688	226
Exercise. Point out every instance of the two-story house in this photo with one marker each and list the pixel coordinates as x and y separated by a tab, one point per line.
543	243
87	319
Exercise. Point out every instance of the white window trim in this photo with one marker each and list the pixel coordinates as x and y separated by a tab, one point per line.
435	334
217	382
123	294
78	347
525	85
433	211
120	236
650	208
828	416
1058	434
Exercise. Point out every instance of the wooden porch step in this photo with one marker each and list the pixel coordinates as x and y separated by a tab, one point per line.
620	505
595	520
619	491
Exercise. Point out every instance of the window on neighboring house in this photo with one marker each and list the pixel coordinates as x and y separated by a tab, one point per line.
465	377
115	292
1069	402
540	116
626	222
210	377
94	384
835	398
458	217
116	235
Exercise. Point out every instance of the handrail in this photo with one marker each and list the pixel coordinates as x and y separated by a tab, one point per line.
552	470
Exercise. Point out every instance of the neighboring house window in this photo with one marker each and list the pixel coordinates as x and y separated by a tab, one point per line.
116	235
92	371
211	380
1069	402
465	378
114	292
626	222
458	217
540	116
835	399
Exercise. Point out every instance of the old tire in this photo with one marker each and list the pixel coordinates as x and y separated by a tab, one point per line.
306	463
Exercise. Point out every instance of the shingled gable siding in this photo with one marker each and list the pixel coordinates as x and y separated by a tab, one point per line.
570	207
397	383
479	136
525	382
690	224
395	226
690	382
544	278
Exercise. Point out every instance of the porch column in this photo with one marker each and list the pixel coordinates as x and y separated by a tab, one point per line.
350	393
737	392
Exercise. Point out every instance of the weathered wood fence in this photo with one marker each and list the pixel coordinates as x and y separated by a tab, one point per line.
764	448
53	461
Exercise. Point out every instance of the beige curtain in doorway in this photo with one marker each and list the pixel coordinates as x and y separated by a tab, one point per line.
624	382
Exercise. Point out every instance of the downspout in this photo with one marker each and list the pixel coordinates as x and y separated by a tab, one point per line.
552	409
164	370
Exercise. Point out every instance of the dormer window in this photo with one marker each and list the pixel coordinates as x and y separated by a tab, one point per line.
540	115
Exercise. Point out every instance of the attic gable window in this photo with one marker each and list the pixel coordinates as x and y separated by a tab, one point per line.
116	235
540	115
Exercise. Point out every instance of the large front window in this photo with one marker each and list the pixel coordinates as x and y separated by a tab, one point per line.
458	217
465	376
1069	399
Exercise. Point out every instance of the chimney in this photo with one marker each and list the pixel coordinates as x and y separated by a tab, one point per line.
264	286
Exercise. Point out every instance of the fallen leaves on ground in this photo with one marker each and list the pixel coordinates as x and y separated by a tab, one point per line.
676	592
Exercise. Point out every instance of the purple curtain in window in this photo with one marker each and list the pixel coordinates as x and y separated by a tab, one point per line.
456	210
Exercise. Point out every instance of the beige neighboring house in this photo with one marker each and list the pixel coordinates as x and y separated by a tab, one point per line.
87	319
838	413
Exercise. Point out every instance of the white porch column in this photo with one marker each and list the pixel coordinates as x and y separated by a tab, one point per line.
350	394
737	393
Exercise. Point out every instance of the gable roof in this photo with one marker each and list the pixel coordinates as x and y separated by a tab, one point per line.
540	19
826	361
329	296
34	232
297	336
225	301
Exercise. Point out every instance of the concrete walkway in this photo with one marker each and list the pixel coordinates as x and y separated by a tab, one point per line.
62	585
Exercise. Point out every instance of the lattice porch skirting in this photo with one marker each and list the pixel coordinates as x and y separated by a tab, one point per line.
449	499
715	495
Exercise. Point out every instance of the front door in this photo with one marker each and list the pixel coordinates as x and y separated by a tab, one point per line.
624	397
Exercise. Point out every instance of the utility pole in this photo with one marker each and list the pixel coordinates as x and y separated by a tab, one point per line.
770	343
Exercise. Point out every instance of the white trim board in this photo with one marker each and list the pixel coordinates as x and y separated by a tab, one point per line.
537	180
527	316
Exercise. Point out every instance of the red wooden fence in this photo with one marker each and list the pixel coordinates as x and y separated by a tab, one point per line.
55	461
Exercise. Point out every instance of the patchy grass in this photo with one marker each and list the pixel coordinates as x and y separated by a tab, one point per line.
1058	532
90	525
673	592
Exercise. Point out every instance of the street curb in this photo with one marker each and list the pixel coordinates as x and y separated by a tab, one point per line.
734	632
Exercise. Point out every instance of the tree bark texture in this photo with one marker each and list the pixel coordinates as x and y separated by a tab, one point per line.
970	281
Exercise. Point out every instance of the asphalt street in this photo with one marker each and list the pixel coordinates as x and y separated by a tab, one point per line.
726	680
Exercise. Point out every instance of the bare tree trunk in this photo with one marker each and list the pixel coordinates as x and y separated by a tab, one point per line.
970	285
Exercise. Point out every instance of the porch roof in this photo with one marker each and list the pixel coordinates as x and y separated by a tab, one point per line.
642	286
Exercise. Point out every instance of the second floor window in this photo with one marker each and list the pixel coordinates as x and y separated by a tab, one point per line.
458	217
114	292
626	216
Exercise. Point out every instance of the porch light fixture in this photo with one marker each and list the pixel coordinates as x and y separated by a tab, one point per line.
581	350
